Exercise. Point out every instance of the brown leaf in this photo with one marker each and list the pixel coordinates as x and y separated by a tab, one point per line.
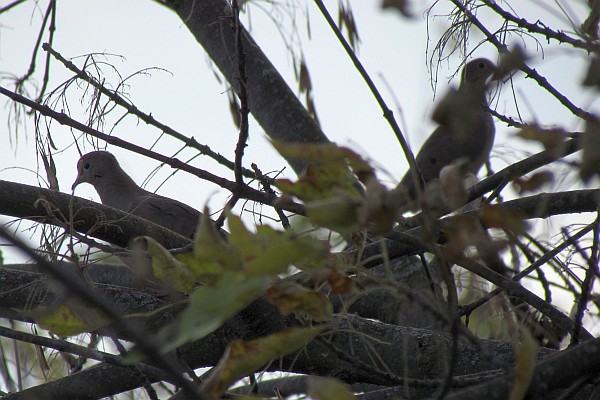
590	25
535	182
553	140
401	5
509	62
496	216
290	297
593	74
590	143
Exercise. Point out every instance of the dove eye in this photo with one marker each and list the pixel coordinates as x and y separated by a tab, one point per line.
87	165
481	65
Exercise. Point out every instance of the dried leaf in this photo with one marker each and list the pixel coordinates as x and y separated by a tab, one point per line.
496	216
242	358
509	62
526	358
401	5
590	25
590	143
290	297
535	182
553	140
593	74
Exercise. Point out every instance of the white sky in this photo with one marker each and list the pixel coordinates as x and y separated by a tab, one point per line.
189	99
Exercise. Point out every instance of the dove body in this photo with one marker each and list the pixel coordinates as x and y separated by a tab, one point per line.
466	129
118	190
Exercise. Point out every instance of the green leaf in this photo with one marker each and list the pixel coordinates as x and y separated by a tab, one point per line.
271	252
340	213
167	268
242	358
211	306
526	358
68	319
328	172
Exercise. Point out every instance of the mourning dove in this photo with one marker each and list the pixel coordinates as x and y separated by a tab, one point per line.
116	189
466	130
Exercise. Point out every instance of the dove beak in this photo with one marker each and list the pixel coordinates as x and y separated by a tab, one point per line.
77	182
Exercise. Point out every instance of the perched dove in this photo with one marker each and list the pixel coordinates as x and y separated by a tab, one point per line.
116	189
466	130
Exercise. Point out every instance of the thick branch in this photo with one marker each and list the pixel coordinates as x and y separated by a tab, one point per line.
271	101
96	220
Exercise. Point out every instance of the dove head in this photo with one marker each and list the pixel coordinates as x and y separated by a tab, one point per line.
476	73
97	168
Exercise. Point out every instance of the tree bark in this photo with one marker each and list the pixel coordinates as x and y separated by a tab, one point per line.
272	102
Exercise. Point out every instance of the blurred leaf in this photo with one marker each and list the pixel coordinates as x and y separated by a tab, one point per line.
270	252
328	389
50	168
535	182
452	183
212	255
590	25
339	213
327	173
496	216
526	358
401	5
289	297
211	306
340	284
68	319
346	19
553	140
509	62
242	358
592	77
304	81
590	143
380	209
172	272
467	231
234	108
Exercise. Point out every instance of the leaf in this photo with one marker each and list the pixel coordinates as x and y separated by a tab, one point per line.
242	358
172	272
340	213
496	216
590	143
509	62
592	77
69	318
271	252
289	297
534	183
553	140
211	306
526	358
328	389
327	173
380	209
340	283
590	25
401	5
212	254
